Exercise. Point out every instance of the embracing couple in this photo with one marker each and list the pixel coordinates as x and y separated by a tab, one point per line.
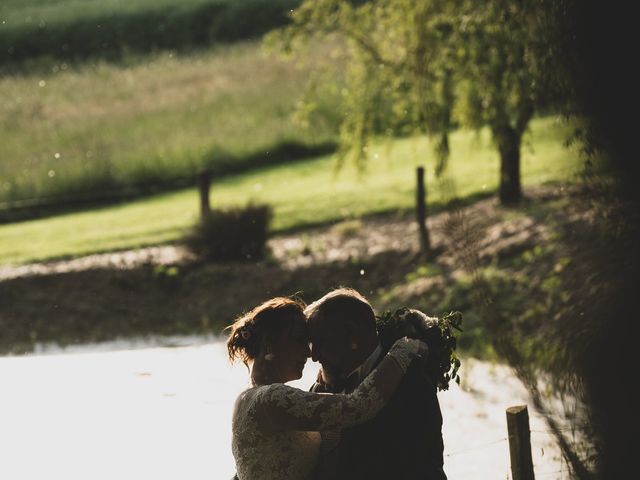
371	414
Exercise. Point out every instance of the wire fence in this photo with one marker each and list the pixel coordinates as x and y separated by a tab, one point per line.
28	208
553	468
475	448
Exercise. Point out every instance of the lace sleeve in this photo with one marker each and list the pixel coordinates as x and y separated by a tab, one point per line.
280	407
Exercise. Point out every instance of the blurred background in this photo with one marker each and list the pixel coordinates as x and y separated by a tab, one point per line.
166	166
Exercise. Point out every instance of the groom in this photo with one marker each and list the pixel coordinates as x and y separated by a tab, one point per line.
405	440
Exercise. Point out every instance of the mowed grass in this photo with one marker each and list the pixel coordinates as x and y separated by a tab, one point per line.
301	194
104	126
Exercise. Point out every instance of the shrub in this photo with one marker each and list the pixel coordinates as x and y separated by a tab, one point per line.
232	234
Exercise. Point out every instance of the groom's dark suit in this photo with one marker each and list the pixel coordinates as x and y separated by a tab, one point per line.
404	441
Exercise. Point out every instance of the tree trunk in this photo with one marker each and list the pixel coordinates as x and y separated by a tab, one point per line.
421	212
509	147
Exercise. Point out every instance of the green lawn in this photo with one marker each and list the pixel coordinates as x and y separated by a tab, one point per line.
301	194
101	126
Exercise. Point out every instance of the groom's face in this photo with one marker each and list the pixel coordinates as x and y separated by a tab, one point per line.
330	346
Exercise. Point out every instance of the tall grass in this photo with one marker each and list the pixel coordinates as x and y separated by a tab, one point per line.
103	126
72	29
301	194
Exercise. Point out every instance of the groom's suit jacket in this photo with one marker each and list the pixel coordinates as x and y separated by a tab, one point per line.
404	441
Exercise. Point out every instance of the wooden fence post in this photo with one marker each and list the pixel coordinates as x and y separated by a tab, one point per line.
520	443
421	211
204	181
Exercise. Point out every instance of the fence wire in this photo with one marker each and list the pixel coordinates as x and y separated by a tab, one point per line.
560	474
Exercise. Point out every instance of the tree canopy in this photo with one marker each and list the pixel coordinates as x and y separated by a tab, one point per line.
396	80
429	66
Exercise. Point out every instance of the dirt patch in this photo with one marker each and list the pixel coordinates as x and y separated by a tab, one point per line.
163	290
342	242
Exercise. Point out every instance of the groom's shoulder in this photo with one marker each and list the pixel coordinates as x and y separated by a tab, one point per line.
416	388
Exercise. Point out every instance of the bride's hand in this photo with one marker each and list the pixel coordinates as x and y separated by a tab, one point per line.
406	349
422	348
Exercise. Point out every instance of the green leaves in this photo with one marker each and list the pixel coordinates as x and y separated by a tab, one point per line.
396	56
438	333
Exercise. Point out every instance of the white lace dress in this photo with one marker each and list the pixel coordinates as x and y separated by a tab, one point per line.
276	428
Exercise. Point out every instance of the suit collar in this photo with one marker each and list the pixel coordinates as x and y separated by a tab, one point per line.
362	370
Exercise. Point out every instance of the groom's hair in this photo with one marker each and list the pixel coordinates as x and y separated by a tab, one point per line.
343	304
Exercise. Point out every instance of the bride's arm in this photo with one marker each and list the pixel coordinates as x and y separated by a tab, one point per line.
280	407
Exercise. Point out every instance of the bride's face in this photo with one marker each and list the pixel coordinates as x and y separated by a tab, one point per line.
291	350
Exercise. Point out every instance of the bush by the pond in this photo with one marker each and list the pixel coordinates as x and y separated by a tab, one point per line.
231	234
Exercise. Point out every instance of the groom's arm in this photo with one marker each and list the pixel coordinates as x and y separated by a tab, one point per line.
419	452
404	441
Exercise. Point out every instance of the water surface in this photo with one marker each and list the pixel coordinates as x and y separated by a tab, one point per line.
160	408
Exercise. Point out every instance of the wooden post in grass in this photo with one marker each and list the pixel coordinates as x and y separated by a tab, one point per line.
204	181
421	212
520	443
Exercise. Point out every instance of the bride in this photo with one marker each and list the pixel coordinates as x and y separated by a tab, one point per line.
278	430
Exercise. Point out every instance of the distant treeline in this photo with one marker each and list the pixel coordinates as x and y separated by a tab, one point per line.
110	33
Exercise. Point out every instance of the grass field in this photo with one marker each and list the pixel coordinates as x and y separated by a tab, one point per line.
103	126
303	193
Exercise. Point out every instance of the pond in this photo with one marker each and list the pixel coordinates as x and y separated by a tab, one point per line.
160	408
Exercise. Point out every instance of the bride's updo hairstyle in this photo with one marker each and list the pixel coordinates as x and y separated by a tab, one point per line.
266	320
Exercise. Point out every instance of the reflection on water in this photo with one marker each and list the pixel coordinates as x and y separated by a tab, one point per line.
160	408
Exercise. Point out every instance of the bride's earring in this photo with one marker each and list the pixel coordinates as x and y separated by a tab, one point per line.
268	356
354	346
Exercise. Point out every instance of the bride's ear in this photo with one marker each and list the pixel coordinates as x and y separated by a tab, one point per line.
265	351
268	353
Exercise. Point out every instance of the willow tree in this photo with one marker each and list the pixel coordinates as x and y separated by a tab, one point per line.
503	75
397	78
408	63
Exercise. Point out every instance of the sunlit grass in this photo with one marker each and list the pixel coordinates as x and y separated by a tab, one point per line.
103	126
301	194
